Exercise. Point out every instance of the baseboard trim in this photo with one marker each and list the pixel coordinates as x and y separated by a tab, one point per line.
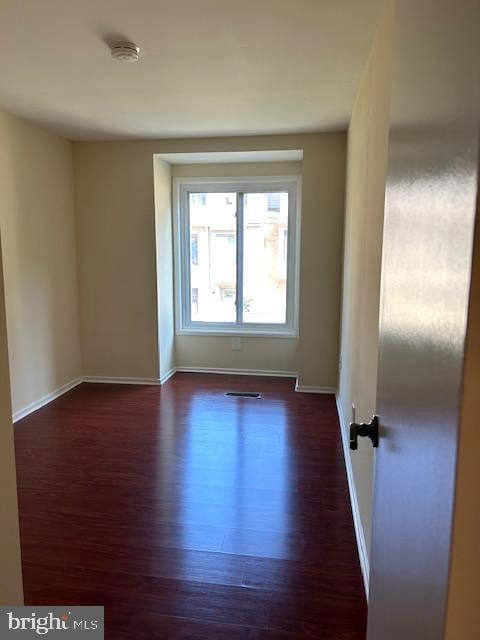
167	376
238	372
119	380
38	404
301	388
359	533
18	415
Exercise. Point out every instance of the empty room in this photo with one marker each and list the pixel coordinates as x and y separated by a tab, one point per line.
239	319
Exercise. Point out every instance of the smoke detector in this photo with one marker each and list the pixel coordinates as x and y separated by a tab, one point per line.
125	51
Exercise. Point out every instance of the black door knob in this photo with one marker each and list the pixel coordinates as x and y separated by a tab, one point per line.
364	429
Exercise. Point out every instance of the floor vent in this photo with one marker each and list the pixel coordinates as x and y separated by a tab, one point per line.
244	394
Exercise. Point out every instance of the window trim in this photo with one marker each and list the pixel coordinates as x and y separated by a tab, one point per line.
258	184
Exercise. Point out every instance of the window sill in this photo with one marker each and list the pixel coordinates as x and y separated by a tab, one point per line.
216	333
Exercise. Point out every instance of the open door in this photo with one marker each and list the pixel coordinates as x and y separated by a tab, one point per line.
428	236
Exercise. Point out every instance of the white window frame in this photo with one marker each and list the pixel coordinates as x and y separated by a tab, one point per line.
265	184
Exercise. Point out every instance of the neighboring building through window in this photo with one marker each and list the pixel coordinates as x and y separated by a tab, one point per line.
284	245
199	199
239	273
194	300
273	200
194	248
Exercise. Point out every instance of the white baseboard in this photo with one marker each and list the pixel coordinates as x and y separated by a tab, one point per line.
105	380
38	404
18	415
238	372
121	380
53	395
301	388
167	376
359	533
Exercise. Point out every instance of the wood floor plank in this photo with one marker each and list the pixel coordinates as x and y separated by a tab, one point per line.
189	515
184	599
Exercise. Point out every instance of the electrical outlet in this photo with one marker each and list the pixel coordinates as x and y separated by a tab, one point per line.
236	344
340	363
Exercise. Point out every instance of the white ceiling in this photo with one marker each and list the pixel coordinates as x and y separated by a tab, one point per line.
208	67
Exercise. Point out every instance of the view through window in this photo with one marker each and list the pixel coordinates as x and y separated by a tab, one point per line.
236	261
213	256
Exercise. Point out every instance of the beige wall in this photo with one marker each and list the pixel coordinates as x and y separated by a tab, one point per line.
265	354
268	354
366	177
39	257
116	214
11	589
237	169
116	260
323	212
164	255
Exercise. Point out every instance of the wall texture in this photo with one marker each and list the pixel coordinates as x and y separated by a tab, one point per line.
366	177
265	354
11	588
39	257
116	239
116	260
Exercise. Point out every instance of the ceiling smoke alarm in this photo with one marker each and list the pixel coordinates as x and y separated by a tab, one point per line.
125	51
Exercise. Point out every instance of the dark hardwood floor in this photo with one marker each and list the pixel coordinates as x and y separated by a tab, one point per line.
190	515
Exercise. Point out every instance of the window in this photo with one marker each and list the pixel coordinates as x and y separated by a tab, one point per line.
236	256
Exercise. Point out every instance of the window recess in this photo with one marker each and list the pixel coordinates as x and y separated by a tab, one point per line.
236	256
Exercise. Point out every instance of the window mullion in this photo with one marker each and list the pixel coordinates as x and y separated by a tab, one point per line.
239	219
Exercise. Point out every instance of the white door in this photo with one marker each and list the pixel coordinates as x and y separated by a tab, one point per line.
428	234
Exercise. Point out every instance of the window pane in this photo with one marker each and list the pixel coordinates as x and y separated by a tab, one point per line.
265	242
213	256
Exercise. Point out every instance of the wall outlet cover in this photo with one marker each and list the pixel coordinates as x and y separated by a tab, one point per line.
236	344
